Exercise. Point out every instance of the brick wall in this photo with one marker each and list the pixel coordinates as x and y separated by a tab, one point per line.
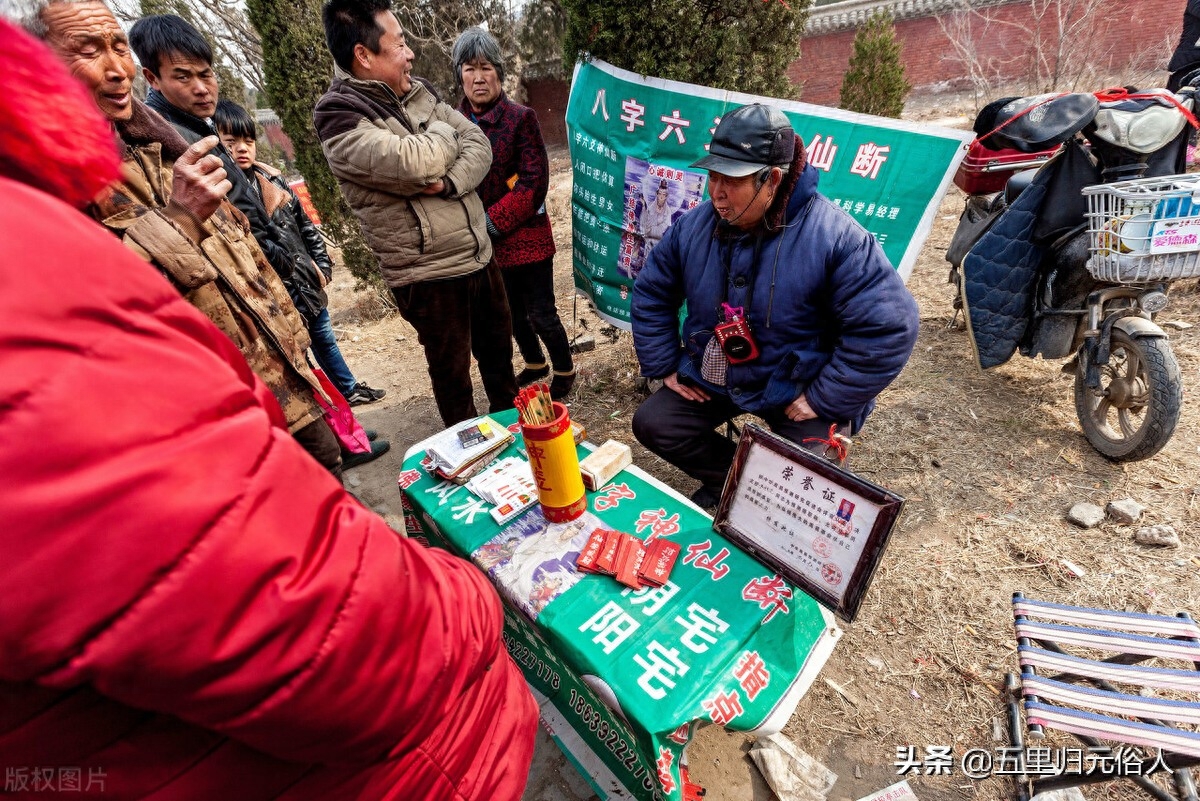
1139	32
548	97
1142	31
273	131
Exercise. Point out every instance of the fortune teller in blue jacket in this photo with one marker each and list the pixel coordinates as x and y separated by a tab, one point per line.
793	312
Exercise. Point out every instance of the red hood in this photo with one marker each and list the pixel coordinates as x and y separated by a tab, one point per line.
52	136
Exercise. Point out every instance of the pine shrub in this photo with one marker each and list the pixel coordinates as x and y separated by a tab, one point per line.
874	82
742	45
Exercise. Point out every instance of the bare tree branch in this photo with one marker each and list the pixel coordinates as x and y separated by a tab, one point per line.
224	22
1056	41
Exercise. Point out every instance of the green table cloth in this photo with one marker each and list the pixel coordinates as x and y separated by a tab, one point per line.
624	677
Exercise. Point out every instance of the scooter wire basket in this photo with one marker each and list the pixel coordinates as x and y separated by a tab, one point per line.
1144	230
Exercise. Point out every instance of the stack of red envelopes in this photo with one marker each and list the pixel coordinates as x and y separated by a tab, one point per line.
634	563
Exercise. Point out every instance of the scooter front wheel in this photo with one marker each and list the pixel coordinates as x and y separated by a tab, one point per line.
1133	413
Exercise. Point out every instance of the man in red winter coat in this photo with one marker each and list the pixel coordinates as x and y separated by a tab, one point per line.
191	607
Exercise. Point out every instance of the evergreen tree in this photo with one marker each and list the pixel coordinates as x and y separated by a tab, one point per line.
743	45
298	69
150	8
540	39
874	82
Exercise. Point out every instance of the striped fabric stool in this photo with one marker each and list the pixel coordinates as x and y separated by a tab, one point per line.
1101	693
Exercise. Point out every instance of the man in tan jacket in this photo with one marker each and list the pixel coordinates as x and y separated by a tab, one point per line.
170	208
408	165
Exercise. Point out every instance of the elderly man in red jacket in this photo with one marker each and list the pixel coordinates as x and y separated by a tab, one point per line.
193	608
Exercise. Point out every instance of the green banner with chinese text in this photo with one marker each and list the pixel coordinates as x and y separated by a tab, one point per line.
632	139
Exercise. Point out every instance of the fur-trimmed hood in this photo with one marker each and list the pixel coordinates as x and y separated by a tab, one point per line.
384	151
778	213
146	127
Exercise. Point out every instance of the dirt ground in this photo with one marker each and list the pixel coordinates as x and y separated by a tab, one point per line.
989	464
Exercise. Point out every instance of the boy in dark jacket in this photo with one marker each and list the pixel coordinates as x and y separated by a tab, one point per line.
305	250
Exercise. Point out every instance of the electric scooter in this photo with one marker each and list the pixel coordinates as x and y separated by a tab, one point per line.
1073	256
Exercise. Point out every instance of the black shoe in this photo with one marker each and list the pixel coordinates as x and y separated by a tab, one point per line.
706	499
561	384
364	394
371	433
531	374
378	448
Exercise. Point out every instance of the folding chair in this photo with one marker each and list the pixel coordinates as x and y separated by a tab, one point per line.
1101	701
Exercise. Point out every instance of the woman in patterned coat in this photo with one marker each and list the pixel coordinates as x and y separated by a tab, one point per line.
514	194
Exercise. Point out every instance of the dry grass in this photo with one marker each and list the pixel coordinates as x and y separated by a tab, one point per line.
989	464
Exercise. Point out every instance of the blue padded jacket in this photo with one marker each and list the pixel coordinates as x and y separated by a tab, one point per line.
831	317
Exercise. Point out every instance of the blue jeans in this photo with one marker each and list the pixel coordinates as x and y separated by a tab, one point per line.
328	355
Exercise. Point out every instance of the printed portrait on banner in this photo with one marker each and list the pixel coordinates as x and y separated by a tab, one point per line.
655	196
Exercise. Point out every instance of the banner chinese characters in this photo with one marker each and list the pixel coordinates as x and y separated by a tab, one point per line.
300	187
632	139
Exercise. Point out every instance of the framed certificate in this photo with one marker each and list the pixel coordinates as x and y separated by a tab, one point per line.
818	526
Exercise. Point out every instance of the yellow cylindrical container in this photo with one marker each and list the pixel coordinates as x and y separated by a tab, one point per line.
555	464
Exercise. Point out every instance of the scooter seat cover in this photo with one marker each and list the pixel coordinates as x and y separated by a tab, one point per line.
999	277
1031	124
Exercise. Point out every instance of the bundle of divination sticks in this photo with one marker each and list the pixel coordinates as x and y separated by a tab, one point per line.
535	405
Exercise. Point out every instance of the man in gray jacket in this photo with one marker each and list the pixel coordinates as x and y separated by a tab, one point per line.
408	165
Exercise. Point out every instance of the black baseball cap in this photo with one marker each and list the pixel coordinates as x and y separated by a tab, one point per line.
748	139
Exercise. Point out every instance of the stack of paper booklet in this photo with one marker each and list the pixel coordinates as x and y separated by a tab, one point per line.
507	484
462	450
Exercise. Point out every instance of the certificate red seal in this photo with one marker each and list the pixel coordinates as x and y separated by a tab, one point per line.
822	547
831	573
